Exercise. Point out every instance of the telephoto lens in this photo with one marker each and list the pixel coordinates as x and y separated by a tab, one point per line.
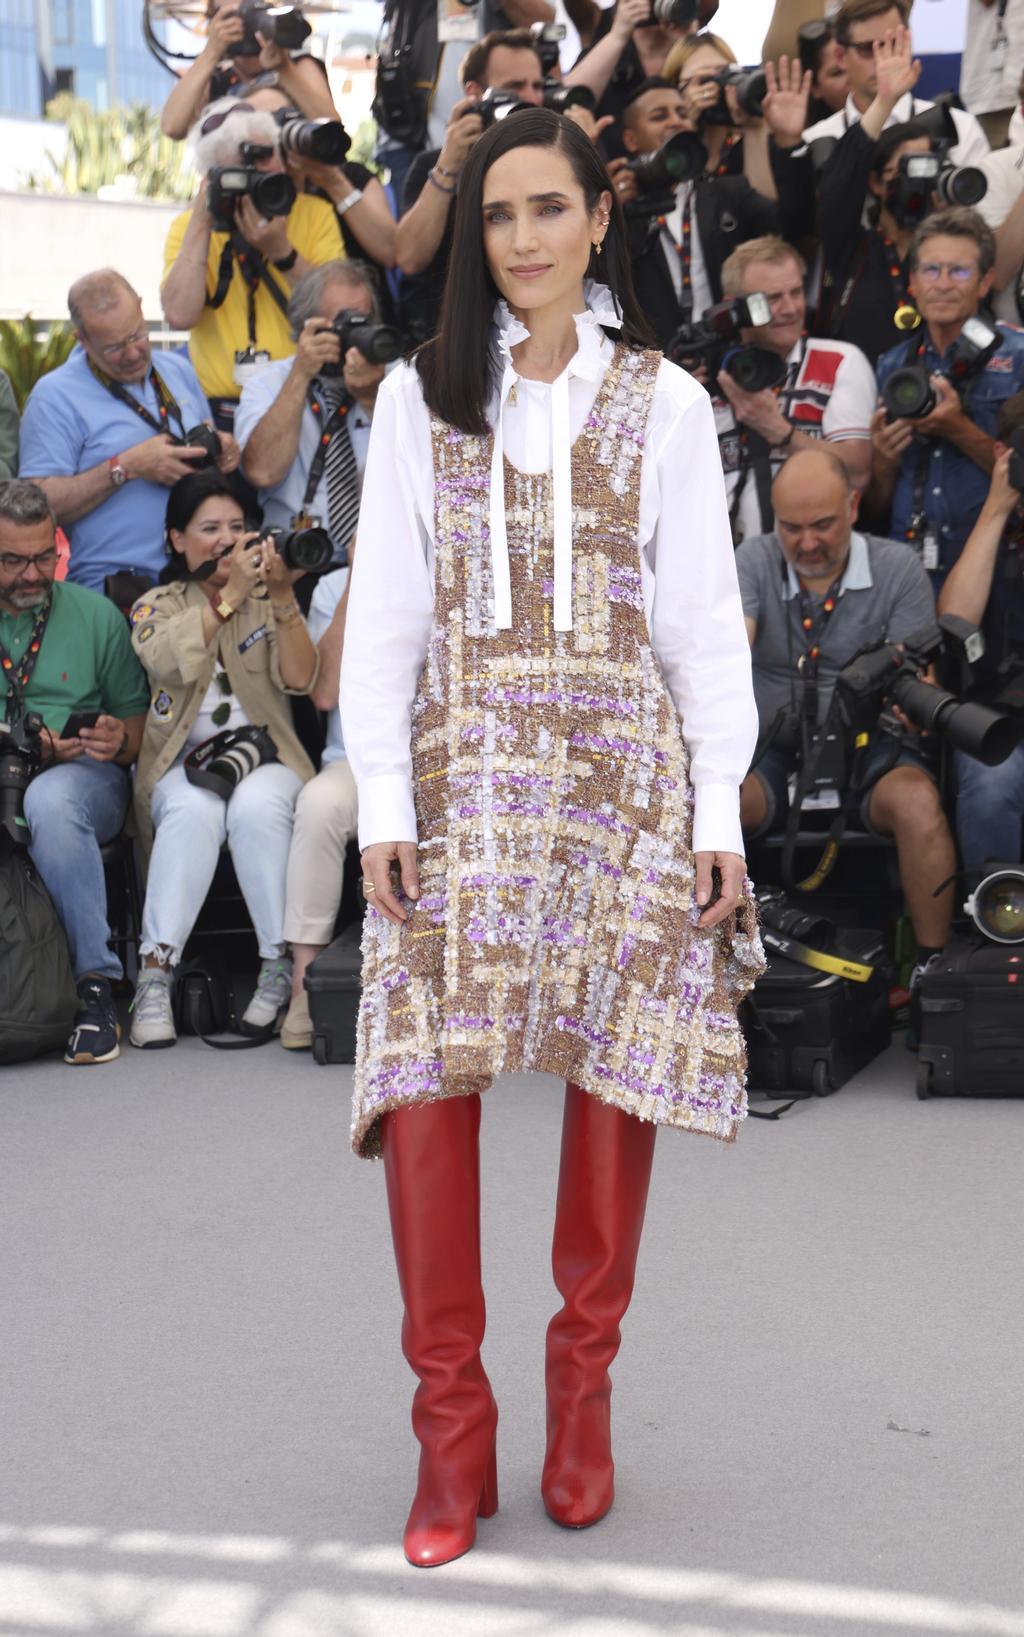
221	763
325	140
674	13
378	343
20	757
272	192
908	394
961	184
751	88
681	158
997	905
560	97
308	550
971	727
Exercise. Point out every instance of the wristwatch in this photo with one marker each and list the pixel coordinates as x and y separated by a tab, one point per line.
285	263
223	610
118	475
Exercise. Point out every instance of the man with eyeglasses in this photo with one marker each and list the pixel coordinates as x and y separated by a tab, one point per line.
105	434
930	474
859	26
66	654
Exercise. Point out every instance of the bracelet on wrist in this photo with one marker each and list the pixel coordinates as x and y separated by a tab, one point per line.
785	442
284	264
452	175
441	187
349	200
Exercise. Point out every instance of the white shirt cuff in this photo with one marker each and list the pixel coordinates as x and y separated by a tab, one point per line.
386	809
716	819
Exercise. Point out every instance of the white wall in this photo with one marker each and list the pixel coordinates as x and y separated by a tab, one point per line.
46	242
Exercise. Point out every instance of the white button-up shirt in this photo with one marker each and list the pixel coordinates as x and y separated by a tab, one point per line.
690	590
971	146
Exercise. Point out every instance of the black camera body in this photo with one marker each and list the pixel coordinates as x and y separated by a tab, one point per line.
714	342
309	550
325	140
272	192
751	88
21	756
920	176
886	672
908	394
378	343
202	437
560	98
681	158
547	38
285	26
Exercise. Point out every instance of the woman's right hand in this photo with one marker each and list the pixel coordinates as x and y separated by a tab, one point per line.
246	563
225	30
378	884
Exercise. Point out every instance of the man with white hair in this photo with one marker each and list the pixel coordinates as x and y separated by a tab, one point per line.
228	272
105	435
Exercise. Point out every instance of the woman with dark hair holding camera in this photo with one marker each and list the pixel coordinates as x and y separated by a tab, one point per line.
547	704
223	643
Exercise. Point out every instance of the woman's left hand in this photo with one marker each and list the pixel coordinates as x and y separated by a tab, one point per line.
732	869
274	573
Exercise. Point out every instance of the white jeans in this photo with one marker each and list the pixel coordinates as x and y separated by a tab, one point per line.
191	826
325	822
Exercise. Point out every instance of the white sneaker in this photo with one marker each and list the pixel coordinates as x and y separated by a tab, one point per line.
271	996
152	1019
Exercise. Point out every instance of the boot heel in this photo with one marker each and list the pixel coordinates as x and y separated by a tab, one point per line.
489	1491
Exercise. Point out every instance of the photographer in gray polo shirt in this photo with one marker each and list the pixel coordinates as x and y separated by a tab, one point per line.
814	593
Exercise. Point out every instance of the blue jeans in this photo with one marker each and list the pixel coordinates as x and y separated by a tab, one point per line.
989	811
71	810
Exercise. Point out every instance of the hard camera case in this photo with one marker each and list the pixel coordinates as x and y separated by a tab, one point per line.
970	1009
333	984
810	1031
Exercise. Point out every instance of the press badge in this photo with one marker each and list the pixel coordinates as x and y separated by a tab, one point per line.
930	552
822	798
248	363
306	520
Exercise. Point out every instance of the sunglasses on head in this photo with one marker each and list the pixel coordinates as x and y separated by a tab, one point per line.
213	122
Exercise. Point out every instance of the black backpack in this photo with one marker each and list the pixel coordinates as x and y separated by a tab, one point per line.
38	999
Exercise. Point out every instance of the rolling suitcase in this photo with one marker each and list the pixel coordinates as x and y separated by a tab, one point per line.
970	1008
810	1030
332	982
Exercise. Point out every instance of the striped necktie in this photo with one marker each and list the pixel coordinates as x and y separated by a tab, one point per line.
341	474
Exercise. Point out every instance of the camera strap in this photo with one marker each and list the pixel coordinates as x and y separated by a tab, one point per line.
253	270
18	672
813	740
167	405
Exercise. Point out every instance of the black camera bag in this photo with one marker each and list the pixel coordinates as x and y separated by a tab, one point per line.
203	1005
969	1006
808	1031
38	999
332	983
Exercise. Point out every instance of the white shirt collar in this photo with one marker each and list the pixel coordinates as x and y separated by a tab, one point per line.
856	574
903	110
593	349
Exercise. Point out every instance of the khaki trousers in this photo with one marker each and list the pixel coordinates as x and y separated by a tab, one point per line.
325	822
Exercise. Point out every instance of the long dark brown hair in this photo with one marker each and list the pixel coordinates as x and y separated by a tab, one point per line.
455	366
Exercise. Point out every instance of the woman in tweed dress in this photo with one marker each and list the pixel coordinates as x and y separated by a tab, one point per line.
547	702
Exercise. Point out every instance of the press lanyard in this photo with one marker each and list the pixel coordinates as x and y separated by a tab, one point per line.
327	430
18	673
813	627
755	455
166	403
916	532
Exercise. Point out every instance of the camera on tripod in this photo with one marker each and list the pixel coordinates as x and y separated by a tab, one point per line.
272	192
712	340
284	26
908	394
21	756
887	673
378	343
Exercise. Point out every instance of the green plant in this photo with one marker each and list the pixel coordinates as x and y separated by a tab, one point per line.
121	146
29	350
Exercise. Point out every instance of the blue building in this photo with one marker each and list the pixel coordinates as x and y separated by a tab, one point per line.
92	48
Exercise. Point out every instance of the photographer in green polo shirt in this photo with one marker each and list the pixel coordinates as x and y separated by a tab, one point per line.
65	653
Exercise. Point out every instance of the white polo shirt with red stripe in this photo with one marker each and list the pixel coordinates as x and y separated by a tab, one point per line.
830	393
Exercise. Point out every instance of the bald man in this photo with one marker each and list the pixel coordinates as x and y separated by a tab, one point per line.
104	436
814	593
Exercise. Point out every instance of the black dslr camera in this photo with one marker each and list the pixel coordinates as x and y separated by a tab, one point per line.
886	672
712	341
379	343
21	756
560	98
908	394
285	26
681	158
325	140
272	192
202	437
308	550
751	88
495	105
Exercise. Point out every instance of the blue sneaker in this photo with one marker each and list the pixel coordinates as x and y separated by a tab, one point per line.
95	1036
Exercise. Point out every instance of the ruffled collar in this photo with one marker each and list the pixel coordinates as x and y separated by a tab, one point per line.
591	342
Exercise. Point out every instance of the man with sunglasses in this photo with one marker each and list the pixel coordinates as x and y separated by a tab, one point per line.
860	25
105	434
930	474
66	654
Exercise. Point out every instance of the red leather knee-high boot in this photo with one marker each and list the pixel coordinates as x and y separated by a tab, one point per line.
431	1163
602	1195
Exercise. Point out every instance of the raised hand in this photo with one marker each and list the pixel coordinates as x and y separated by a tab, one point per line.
896	72
784	108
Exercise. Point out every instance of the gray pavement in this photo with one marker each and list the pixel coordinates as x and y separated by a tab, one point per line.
204	1414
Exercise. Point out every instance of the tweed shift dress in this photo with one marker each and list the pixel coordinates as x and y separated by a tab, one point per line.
556	924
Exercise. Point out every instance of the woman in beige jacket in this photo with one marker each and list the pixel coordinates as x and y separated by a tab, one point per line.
222	646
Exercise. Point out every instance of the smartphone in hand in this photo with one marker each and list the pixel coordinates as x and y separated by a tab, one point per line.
77	721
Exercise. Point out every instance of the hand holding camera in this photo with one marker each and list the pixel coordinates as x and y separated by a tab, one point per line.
162	459
247	559
267	234
225	29
629	14
318	346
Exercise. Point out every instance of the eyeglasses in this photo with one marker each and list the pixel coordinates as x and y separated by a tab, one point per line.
865	49
929	271
13	564
141	334
213	122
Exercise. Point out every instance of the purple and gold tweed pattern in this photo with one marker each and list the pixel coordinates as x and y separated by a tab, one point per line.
556	924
